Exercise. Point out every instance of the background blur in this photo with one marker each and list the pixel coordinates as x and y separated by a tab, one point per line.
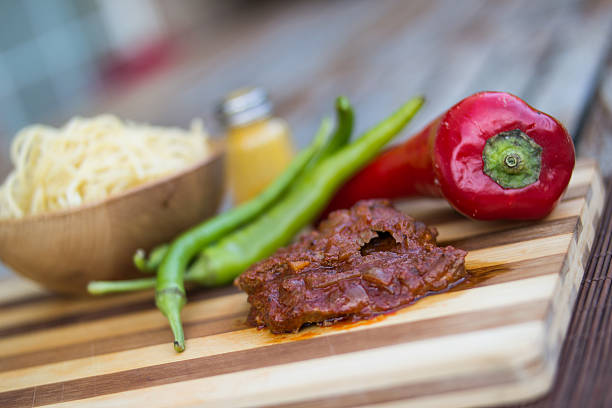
166	62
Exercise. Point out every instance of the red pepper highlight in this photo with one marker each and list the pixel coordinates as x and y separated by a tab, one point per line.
492	156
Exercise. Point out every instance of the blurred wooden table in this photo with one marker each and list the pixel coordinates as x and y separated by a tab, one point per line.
554	54
549	52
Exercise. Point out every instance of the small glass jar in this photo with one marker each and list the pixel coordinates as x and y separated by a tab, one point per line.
258	145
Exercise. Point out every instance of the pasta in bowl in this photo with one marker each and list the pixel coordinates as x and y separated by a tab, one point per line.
89	160
82	198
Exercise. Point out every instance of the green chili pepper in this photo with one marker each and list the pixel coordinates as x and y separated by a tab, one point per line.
170	292
220	263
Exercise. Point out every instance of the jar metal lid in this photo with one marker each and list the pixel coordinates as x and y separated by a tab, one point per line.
243	106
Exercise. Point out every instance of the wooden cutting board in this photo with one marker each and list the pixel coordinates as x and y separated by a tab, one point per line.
493	340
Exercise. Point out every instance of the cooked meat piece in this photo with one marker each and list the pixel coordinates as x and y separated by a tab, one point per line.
360	263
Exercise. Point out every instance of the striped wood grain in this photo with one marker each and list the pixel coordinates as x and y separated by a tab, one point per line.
495	338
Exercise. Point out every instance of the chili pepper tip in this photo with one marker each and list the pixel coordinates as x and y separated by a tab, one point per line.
343	103
179	348
139	260
170	302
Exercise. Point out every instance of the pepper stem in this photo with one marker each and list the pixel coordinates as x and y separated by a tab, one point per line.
170	301
513	163
104	287
512	159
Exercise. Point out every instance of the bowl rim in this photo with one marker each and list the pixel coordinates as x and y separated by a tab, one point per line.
217	151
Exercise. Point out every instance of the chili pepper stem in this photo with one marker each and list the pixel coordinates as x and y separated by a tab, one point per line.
170	301
512	159
103	287
107	287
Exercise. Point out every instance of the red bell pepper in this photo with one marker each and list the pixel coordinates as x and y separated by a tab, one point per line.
492	156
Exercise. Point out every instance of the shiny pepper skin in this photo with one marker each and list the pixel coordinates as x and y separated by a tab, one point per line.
492	156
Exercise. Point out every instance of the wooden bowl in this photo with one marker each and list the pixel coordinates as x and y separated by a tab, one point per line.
65	250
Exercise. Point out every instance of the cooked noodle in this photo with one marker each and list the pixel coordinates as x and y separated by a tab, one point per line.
88	160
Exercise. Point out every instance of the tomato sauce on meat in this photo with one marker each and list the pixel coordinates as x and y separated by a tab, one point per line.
359	263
